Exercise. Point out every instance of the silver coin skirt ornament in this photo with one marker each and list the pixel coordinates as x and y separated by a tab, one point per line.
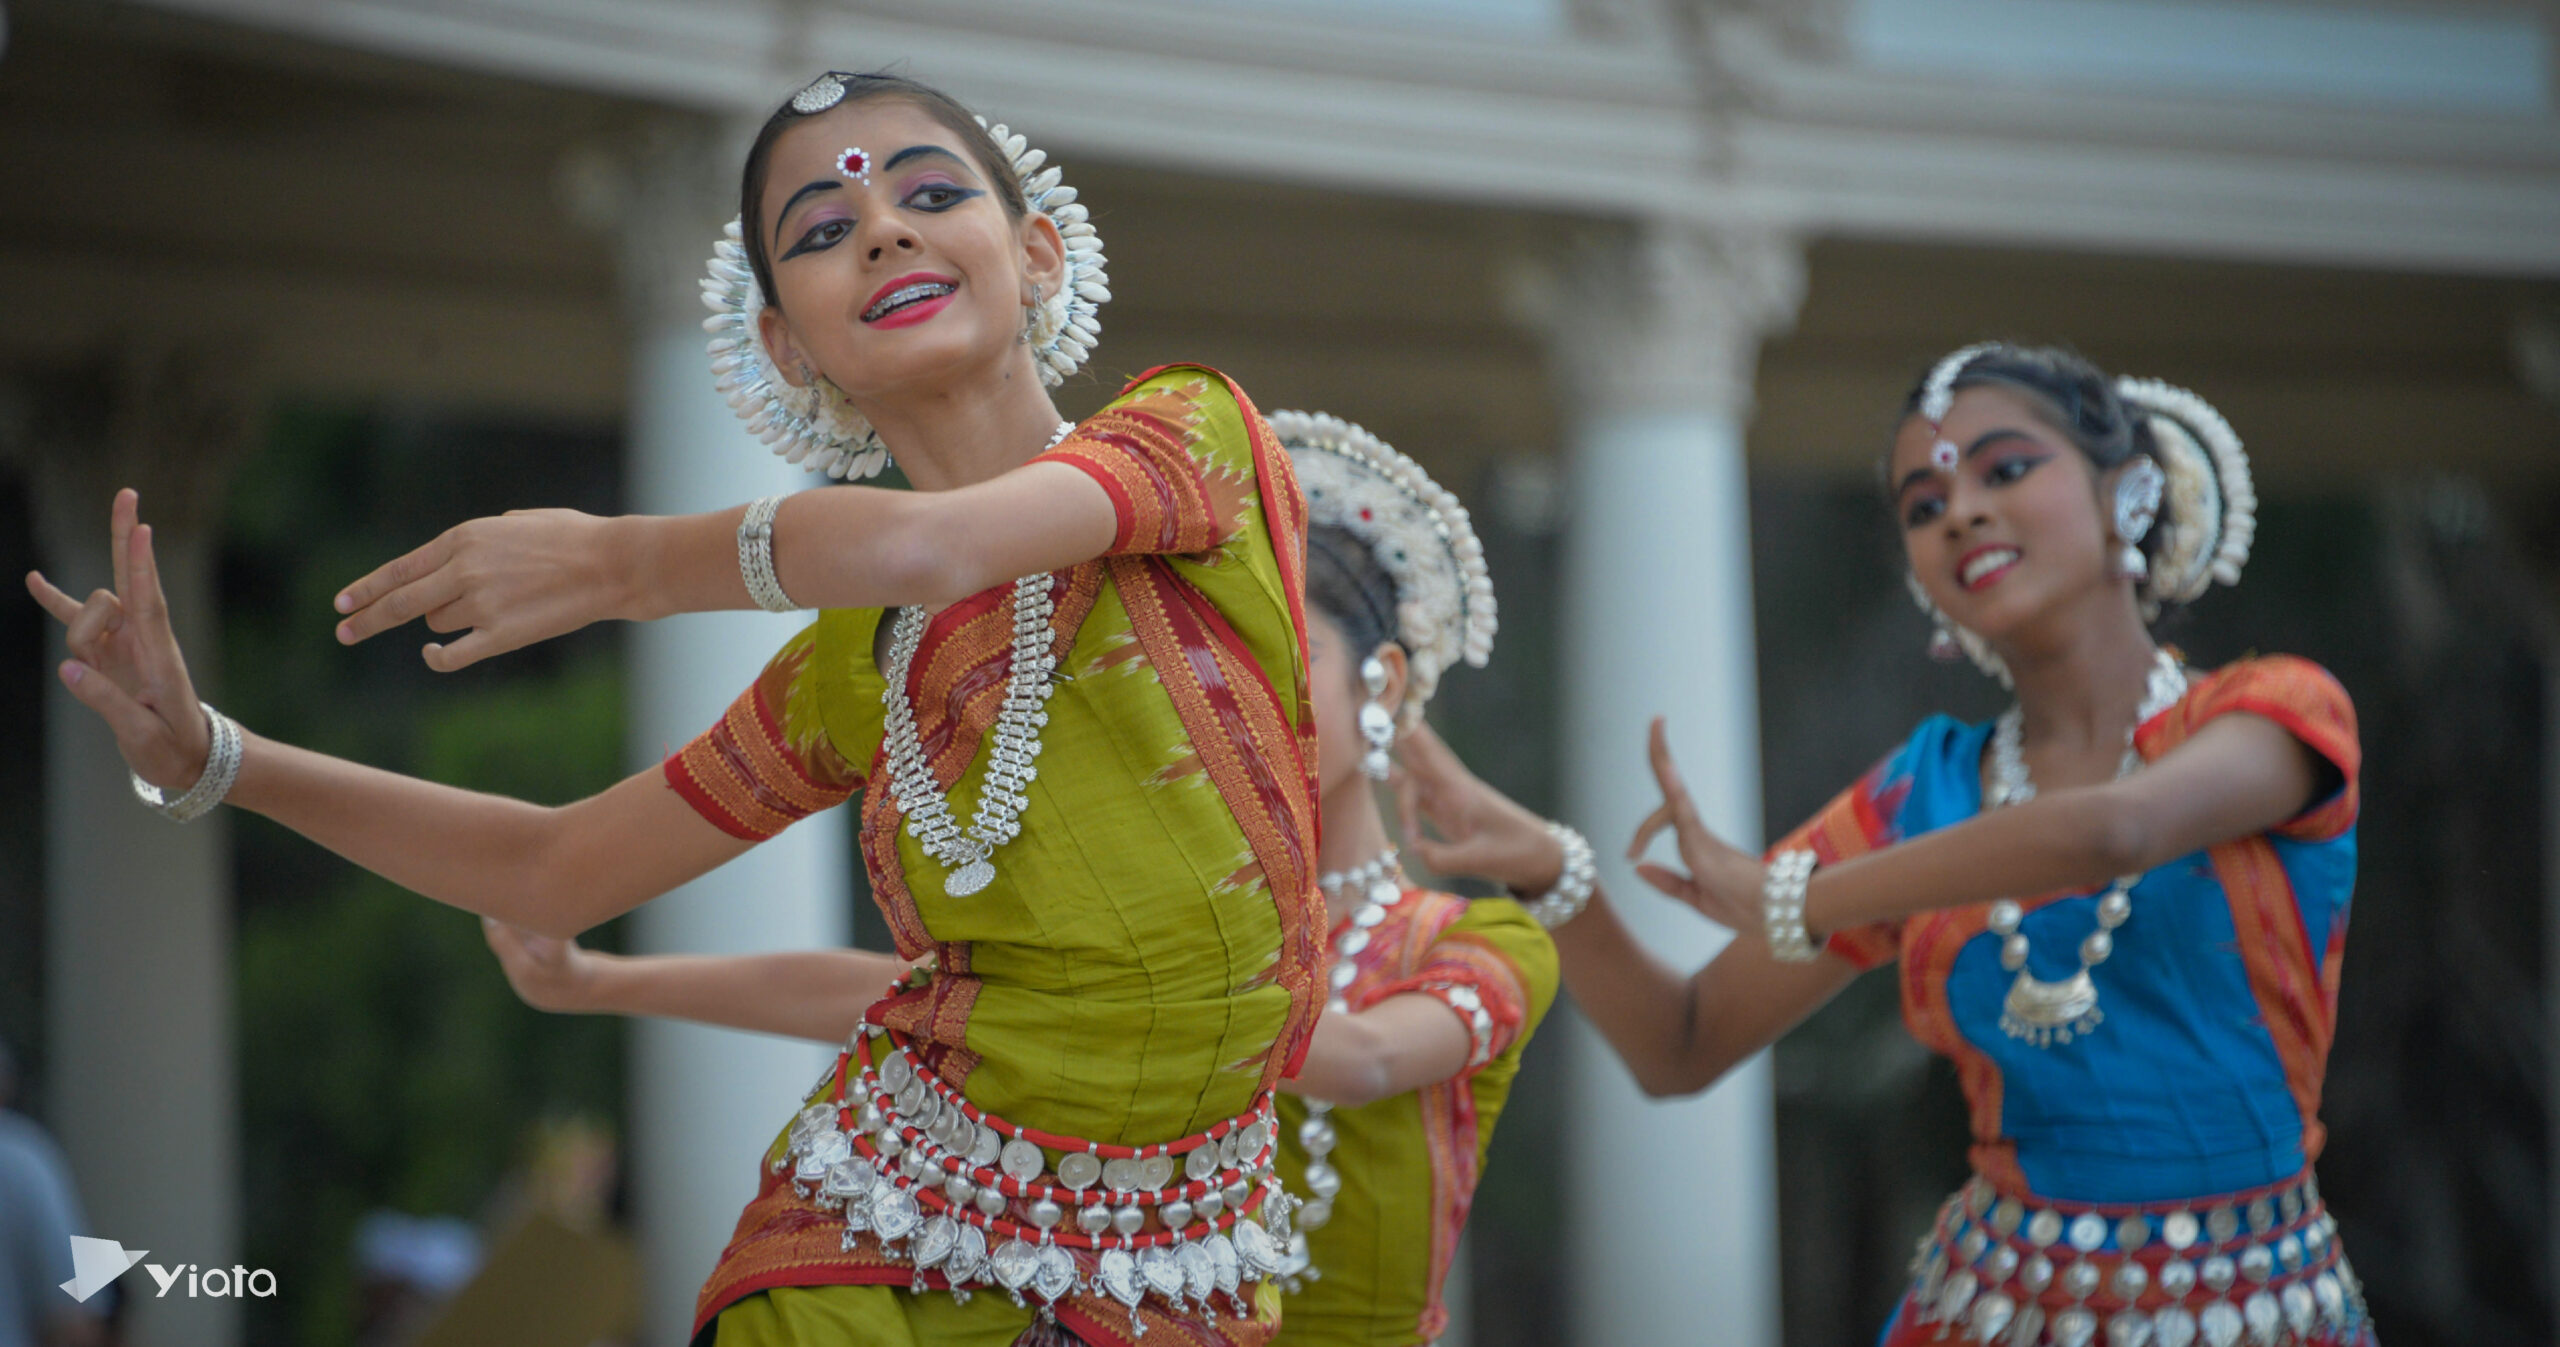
1419	534
814	424
2262	1267
910	1165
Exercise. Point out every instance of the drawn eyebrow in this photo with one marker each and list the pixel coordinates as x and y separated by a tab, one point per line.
822	185
914	151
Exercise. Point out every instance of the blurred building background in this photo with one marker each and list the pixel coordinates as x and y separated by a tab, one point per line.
1644	279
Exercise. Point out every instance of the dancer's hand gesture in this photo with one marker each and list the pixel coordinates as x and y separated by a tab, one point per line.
508	580
548	973
125	664
1723	881
1482	832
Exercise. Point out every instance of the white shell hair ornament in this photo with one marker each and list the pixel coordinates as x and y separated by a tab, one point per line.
1419	533
2209	510
814	424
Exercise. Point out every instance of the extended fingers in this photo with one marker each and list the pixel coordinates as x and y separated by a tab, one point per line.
1668	880
140	588
121	518
63	607
1430	755
1652	827
1666	772
475	646
425	595
383	598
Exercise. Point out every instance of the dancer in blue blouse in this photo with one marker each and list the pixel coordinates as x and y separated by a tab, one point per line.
2119	907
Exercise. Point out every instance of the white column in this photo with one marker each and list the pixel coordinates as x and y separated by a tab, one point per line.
1673	1203
138	964
705	1102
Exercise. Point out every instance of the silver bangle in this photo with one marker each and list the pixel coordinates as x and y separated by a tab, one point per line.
1782	906
755	557
221	769
1572	892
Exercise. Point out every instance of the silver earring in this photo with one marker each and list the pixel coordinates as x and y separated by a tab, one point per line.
1377	723
1030	317
1942	645
2137	504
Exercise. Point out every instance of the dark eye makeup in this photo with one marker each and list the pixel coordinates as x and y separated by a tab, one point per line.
938	196
819	237
935	197
1925	500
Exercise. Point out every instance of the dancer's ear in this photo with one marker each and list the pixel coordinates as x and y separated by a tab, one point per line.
1391	693
788	361
1044	255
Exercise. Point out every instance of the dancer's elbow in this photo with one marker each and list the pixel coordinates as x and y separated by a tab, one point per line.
2116	836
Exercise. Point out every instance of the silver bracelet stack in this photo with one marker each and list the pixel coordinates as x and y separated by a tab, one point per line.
1782	906
221	768
1572	892
755	557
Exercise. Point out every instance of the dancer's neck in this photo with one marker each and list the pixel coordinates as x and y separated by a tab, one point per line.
970	431
2081	684
1354	835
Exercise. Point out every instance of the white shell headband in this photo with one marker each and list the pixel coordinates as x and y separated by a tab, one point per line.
817	426
1418	532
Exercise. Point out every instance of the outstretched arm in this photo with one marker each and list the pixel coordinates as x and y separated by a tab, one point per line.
557	870
1677	1032
2239	776
530	575
812	994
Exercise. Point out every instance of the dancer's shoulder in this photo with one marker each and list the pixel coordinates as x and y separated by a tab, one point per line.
2304	698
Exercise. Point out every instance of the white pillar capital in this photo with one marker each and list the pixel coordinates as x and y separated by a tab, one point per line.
1669	318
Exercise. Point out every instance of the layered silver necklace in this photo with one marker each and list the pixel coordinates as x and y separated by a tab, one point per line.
2037	1011
968	854
1380	884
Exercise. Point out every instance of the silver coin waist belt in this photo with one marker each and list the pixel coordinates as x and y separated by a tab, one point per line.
969	1200
2261	1267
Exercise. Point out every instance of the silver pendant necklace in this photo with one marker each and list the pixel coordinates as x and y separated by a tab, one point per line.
2037	1011
968	854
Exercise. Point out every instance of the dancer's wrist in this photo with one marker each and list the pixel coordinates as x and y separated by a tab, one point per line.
590	982
635	556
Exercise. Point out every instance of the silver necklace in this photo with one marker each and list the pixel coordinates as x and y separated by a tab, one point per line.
2037	1011
1380	884
967	854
